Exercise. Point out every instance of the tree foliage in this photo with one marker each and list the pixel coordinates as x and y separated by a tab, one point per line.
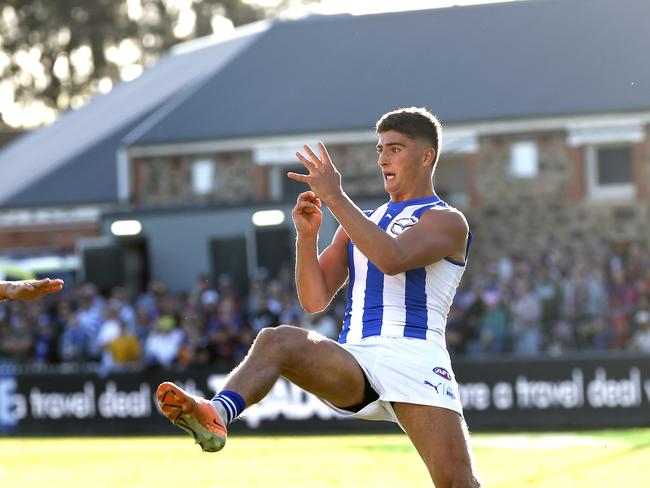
56	54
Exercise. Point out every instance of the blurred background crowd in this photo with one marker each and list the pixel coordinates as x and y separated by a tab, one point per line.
547	305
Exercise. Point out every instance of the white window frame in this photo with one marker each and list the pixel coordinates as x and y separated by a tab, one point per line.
275	182
204	171
525	152
592	135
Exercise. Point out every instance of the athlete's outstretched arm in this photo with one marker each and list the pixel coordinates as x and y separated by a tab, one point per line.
438	234
318	278
28	289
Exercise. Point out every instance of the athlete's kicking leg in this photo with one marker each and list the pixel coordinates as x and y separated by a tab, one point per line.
310	361
442	440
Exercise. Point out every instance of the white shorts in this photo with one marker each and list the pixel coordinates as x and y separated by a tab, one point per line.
406	370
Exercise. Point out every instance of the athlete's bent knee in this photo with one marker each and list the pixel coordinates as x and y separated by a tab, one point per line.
278	342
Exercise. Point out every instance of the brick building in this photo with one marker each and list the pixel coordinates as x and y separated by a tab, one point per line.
546	139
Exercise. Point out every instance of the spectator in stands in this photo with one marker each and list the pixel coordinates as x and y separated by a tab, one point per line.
601	334
526	313
141	324
622	298
73	340
597	294
290	312
90	317
163	345
149	300
641	338
201	287
561	337
107	332
470	323
494	324
547	290
120	300
17	338
223	332
263	316
323	324
45	343
124	349
193	341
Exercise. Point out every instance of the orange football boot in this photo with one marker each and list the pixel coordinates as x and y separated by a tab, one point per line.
194	415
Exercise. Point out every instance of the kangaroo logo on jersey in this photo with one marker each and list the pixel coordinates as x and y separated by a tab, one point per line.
442	372
400	225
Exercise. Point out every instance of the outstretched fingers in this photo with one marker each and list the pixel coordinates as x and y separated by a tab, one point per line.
323	178
32	289
325	157
310	164
315	160
51	285
298	177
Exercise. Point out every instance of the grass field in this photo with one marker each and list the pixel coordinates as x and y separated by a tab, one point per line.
590	459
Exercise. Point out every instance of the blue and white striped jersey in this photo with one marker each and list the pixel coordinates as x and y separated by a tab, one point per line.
414	303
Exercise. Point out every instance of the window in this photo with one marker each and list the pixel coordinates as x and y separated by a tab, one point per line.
203	176
284	188
609	171
280	157
524	160
614	165
451	180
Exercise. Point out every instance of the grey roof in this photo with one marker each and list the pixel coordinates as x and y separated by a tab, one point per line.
88	177
73	161
494	61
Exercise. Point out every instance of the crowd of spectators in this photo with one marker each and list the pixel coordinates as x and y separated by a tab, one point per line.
555	303
595	300
210	324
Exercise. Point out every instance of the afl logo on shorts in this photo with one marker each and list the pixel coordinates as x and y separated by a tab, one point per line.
400	225
442	372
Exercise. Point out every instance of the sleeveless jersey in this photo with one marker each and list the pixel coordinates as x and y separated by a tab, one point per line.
414	303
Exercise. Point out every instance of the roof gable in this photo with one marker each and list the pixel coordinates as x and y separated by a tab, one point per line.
88	138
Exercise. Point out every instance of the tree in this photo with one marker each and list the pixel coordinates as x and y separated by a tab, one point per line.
55	55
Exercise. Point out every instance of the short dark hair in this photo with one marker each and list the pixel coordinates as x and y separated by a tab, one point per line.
414	122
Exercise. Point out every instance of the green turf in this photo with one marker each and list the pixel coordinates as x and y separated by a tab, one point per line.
591	459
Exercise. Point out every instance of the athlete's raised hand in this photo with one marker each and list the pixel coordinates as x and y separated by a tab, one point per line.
323	178
307	214
29	289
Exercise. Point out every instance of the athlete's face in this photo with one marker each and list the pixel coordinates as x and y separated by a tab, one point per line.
405	165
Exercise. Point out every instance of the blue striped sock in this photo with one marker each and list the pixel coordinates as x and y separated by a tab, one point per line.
231	403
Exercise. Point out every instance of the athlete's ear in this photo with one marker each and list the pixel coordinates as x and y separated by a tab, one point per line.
429	157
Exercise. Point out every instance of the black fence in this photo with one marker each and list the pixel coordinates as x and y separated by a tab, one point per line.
567	393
